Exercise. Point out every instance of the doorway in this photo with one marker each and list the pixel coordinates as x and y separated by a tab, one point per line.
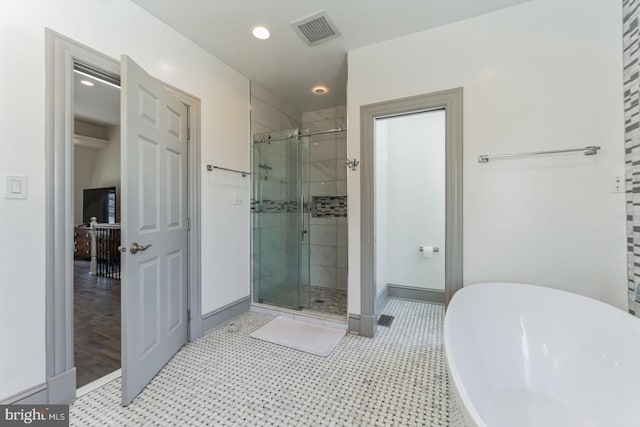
159	209
96	234
410	205
374	294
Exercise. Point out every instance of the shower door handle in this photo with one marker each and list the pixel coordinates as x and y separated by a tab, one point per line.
303	231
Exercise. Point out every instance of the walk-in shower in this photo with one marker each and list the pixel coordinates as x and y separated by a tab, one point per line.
287	215
280	216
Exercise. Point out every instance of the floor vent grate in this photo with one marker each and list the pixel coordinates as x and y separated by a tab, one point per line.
385	320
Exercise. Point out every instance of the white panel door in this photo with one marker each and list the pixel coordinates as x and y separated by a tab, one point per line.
154	218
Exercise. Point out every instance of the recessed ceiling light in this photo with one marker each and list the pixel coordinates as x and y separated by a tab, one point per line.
86	82
319	90
93	78
261	33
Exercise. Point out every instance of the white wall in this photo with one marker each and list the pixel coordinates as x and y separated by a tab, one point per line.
112	27
543	75
410	176
107	166
84	160
381	200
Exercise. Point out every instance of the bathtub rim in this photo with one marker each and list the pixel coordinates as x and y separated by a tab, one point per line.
465	404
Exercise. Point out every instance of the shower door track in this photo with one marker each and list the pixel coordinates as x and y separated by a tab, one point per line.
299	135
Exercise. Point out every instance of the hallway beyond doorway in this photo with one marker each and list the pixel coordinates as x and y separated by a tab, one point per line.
97	324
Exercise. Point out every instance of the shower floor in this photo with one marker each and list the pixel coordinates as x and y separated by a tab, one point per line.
331	301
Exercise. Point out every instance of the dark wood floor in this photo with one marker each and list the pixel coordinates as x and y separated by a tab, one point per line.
96	312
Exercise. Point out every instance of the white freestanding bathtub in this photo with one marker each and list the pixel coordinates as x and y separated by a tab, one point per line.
522	355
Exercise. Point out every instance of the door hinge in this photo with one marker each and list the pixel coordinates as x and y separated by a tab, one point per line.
189	315
188	133
188	224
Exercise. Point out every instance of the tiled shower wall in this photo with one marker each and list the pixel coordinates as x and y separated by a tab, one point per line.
270	252
269	112
328	177
631	43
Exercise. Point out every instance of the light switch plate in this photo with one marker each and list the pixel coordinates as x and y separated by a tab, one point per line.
16	187
237	199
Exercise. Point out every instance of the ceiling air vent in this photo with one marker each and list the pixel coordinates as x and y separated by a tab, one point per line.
315	29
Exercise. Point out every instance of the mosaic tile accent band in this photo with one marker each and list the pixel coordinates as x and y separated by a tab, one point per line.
329	206
631	57
274	206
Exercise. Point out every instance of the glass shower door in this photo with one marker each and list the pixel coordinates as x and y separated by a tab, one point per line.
279	220
305	217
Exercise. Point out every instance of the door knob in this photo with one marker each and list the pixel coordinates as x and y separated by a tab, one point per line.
135	248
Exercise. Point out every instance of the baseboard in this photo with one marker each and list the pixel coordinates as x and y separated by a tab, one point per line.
368	325
62	388
417	294
222	315
36	395
353	324
382	299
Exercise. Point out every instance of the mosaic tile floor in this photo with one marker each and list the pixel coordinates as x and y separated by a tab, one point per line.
229	379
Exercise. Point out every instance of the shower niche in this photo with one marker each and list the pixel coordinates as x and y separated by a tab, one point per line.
328	206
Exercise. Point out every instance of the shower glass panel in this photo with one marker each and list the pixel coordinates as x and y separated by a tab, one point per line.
280	219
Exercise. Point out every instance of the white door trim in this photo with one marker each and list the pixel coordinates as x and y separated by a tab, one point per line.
60	55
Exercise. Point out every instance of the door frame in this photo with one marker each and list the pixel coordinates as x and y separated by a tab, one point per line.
61	52
451	101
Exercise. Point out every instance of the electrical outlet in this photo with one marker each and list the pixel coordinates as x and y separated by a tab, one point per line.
617	184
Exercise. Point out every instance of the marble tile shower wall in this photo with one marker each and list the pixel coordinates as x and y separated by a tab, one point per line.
274	242
631	56
328	177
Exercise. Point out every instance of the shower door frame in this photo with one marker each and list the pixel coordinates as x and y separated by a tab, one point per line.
302	216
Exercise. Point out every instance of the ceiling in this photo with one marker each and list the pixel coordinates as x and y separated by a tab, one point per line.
285	64
99	103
